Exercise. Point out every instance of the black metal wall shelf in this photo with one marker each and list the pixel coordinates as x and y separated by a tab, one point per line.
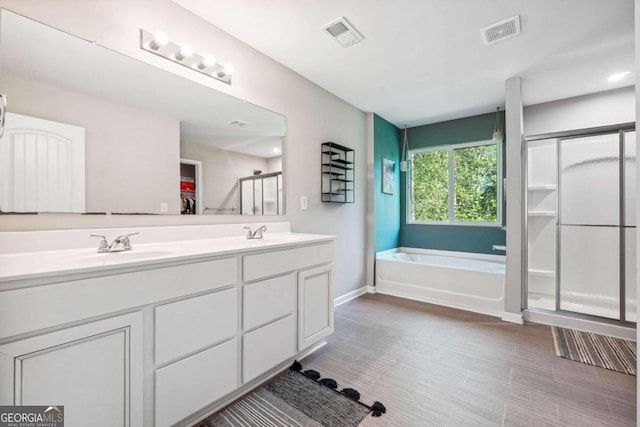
338	173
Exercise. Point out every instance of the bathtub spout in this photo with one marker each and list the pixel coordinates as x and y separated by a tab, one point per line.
499	248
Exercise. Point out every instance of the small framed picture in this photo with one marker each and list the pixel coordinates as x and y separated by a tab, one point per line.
388	176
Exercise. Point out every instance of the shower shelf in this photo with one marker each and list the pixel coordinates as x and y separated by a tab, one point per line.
545	273
542	188
542	213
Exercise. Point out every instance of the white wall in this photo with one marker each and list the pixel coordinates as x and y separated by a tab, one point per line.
274	164
582	112
113	182
313	116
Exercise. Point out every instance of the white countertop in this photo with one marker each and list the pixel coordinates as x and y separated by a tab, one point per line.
50	264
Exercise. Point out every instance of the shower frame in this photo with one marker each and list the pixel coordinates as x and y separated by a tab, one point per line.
621	129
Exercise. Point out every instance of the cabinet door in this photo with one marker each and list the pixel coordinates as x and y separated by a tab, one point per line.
315	305
93	370
195	323
190	384
267	300
268	346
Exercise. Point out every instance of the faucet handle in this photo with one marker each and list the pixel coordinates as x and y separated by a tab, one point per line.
104	244
124	239
249	232
258	232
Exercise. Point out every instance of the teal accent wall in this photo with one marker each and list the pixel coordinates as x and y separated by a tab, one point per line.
477	239
386	207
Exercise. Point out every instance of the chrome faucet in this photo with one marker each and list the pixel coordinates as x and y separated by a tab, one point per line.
119	244
256	234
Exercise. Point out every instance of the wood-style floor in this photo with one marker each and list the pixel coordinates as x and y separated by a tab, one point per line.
436	366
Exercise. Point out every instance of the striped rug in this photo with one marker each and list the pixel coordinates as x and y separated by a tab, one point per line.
296	398
599	350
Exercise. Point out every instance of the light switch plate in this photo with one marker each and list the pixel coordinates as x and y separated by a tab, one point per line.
304	203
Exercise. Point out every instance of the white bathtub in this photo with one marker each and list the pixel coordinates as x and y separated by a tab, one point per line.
468	281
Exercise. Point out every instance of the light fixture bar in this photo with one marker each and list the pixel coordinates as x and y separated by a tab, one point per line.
159	44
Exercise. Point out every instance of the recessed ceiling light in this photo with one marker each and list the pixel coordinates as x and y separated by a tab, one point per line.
618	76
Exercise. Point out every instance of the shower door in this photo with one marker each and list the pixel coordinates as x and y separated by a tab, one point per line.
589	231
595	266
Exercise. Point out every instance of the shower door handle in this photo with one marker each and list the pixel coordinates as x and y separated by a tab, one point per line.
3	113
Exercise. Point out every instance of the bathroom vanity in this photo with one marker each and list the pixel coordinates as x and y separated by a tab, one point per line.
163	334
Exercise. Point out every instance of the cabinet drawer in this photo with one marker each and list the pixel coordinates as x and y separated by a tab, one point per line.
278	262
268	346
189	325
30	309
184	387
267	300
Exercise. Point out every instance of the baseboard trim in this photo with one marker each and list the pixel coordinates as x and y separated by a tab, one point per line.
553	319
349	296
513	318
435	301
371	289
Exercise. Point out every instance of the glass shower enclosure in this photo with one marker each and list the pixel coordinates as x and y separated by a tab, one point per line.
261	194
580	223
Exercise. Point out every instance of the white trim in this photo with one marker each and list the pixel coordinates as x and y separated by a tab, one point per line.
371	289
451	196
513	317
350	296
444	303
440	252
199	183
552	319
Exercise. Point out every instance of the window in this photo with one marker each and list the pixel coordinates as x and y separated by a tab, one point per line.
456	184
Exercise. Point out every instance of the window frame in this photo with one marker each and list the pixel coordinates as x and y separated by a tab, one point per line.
451	197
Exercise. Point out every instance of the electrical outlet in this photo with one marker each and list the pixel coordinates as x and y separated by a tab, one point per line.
164	207
304	203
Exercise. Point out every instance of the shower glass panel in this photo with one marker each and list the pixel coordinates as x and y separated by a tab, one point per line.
589	225
590	180
630	225
270	188
246	201
590	270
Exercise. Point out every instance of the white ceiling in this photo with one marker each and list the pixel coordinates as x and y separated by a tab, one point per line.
423	61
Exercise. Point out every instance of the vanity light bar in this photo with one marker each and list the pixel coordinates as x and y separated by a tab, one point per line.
159	44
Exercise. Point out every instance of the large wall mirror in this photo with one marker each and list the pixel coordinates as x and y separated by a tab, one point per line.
89	130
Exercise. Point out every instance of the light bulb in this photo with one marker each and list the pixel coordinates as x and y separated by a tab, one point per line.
207	61
276	150
159	39
226	71
185	51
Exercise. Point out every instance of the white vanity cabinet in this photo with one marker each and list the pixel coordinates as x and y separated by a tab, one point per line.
274	312
315	305
162	343
94	370
197	336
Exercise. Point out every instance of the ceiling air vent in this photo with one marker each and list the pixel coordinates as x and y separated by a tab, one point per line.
502	30
343	32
